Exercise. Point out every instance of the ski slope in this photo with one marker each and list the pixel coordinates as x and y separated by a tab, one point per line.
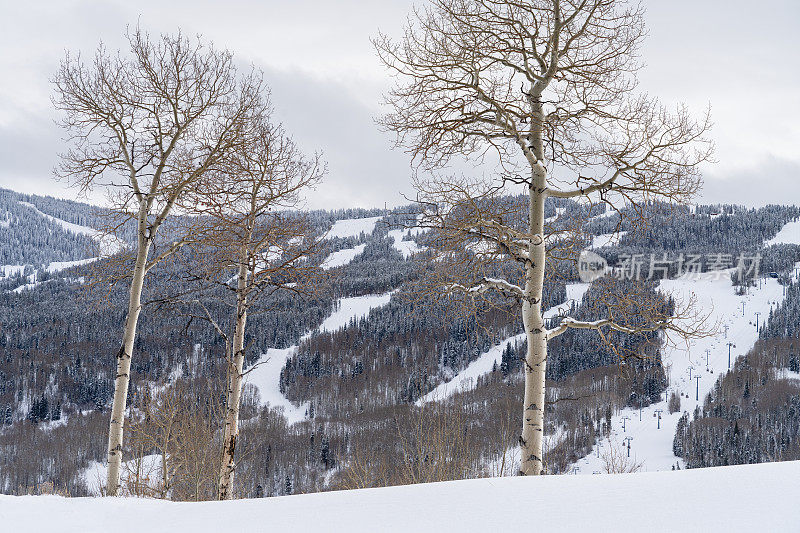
407	248
744	498
789	234
265	374
608	239
352	227
467	378
342	257
736	319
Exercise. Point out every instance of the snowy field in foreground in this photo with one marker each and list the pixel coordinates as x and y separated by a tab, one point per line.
735	498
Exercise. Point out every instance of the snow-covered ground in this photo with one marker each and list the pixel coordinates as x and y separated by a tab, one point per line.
352	227
53	268
265	375
11	270
715	294
407	248
58	266
609	212
607	239
789	234
746	498
467	378
342	257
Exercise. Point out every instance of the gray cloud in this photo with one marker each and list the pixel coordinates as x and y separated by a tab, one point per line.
774	181
322	115
327	82
28	152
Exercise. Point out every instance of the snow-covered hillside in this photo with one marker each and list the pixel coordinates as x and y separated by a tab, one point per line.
352	227
747	498
342	257
485	362
651	438
109	244
789	234
608	239
265	374
650	431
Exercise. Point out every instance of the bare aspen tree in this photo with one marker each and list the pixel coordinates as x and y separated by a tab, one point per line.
547	90
251	233
146	126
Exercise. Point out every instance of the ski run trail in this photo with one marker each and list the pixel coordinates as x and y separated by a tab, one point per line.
706	358
467	378
107	244
265	374
693	368
353	227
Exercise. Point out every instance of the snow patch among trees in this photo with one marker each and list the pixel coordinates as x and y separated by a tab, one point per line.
406	248
607	239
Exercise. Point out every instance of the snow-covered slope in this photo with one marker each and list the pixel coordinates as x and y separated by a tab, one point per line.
353	227
737	325
789	234
747	498
736	317
608	239
407	248
342	257
467	378
265	375
109	244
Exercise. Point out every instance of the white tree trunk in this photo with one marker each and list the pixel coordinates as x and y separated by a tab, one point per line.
234	392
536	357
122	379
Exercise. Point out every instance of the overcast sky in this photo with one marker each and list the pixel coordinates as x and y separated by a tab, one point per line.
738	56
